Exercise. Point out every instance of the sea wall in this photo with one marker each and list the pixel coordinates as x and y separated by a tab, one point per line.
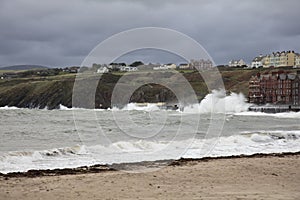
274	108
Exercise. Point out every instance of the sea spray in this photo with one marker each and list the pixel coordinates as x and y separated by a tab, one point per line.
219	102
215	102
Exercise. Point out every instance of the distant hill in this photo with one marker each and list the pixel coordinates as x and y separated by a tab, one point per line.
23	67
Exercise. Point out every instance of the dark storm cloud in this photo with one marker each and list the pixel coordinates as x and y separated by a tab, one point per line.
60	33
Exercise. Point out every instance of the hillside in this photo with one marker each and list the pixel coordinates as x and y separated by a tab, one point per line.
23	67
51	91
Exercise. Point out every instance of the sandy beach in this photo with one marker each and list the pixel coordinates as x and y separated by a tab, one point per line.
257	177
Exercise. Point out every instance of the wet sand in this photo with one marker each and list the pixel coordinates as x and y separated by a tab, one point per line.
255	177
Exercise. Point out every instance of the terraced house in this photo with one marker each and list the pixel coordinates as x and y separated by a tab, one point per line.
276	88
296	91
277	59
297	60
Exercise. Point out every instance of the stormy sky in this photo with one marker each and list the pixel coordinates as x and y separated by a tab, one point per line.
59	33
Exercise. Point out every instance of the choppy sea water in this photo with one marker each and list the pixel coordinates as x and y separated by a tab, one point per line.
48	139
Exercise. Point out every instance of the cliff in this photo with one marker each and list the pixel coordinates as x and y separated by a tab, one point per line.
51	91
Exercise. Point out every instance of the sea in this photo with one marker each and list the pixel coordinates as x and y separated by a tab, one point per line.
73	137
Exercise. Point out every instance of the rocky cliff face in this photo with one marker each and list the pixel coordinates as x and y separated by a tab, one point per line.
50	92
36	94
44	93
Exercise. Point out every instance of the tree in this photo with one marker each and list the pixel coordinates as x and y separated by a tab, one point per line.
136	63
118	64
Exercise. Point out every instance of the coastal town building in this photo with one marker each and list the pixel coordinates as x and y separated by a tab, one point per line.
116	66
296	90
276	88
128	69
193	64
236	63
184	66
200	64
102	70
297	60
255	95
257	62
276	59
160	67
171	66
165	66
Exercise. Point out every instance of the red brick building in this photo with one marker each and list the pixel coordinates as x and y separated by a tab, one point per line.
255	91
296	90
277	88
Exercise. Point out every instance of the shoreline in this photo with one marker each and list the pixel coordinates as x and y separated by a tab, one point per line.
269	109
99	168
260	176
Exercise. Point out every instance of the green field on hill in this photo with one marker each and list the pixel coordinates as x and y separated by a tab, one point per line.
51	91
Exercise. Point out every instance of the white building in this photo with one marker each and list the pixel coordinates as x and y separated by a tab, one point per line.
297	61
200	64
129	69
102	70
116	66
257	62
184	66
236	63
161	67
171	66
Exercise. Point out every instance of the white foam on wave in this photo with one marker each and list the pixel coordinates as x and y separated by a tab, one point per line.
45	159
246	143
277	115
139	146
261	138
250	143
218	102
215	102
148	107
9	108
62	107
65	108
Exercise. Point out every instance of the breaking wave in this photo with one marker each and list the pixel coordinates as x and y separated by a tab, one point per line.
215	102
9	108
147	107
246	143
219	102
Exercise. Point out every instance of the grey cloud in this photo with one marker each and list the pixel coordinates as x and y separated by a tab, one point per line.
60	33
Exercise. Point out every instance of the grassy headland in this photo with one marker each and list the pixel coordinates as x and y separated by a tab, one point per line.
51	91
